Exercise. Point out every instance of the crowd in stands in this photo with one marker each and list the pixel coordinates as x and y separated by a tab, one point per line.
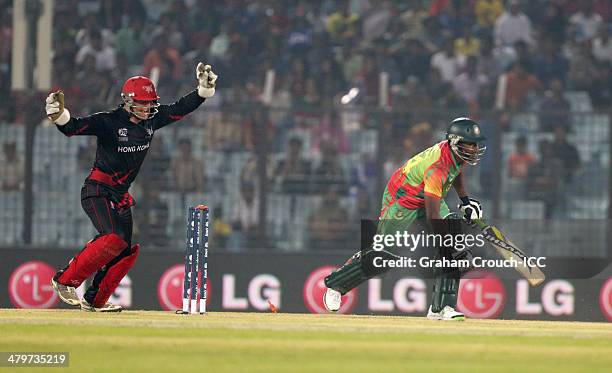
485	58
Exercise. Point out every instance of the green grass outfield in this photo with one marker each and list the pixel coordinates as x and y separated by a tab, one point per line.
247	342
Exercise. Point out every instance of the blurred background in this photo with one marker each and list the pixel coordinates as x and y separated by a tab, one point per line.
318	102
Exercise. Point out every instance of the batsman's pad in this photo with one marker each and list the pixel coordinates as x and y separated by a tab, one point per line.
358	269
445	290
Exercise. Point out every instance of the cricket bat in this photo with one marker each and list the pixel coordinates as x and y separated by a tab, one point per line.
507	249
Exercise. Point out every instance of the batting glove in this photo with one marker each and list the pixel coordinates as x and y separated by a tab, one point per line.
54	106
471	209
207	80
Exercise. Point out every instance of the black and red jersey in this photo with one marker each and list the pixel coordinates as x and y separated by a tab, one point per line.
122	144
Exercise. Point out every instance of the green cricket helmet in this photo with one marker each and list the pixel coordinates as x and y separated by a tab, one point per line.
462	135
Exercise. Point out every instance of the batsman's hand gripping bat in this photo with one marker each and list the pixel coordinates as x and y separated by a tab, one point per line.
507	250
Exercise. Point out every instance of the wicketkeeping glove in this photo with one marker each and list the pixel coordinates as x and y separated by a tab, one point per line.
54	106
207	80
471	209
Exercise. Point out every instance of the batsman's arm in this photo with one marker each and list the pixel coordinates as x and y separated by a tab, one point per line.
434	180
459	186
432	211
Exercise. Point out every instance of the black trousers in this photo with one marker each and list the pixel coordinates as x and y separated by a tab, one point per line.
107	218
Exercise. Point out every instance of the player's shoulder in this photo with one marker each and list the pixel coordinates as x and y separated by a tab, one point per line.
441	154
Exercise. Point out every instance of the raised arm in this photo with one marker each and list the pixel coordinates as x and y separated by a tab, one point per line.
91	125
207	81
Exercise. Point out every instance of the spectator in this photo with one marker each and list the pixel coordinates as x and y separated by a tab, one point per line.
131	41
487	12
433	38
415	94
583	69
414	19
331	80
188	170
519	83
164	57
602	45
467	44
299	39
245	218
368	79
328	224
443	94
155	220
343	25
489	63
293	172
604	9
520	160
586	21
544	179
415	59
554	108
519	164
219	45
523	56
169	27
512	26
601	91
224	129
86	154
91	28
553	24
297	79
12	169
565	153
97	83
550	65
329	171
155	169
468	84
104	56
447	62
310	99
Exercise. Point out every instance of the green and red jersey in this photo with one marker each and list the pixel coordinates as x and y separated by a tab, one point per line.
431	172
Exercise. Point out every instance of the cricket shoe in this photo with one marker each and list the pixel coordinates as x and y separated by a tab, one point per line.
108	307
332	300
447	313
66	293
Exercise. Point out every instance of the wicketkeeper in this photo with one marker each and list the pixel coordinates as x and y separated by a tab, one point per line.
124	136
416	191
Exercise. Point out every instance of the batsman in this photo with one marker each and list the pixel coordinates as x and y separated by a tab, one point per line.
415	192
123	139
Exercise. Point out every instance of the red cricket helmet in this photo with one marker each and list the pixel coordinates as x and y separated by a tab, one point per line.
140	97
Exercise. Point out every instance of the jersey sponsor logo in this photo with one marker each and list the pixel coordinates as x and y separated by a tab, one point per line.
132	149
481	295
314	289
30	286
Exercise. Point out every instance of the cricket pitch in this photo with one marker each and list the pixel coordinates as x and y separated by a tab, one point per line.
156	341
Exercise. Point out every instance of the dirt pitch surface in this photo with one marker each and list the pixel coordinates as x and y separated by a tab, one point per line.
155	341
